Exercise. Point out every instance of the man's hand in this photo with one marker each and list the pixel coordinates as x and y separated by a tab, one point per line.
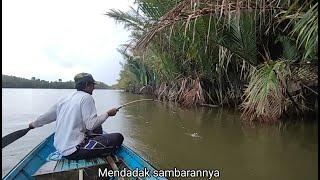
31	126
112	112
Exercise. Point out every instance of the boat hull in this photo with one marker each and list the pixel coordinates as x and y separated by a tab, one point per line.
36	165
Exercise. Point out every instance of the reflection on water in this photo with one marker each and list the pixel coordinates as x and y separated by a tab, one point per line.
169	136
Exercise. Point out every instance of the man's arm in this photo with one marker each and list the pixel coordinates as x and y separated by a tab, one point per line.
46	118
89	114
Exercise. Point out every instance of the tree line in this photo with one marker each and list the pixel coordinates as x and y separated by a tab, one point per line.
18	82
259	56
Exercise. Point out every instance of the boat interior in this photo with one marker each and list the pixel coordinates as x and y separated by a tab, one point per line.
78	169
36	165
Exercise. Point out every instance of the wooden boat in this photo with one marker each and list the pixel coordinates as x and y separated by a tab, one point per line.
36	165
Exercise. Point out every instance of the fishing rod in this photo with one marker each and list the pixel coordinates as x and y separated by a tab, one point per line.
131	102
10	138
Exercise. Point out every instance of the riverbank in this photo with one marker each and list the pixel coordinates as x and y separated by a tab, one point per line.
256	56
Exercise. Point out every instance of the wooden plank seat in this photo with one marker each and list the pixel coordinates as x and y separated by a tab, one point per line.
69	168
66	165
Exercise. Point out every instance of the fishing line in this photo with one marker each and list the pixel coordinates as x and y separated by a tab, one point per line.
126	104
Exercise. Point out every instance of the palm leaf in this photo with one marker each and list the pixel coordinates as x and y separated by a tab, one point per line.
265	95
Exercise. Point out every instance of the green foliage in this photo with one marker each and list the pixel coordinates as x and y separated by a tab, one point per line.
302	21
306	29
265	94
290	50
220	46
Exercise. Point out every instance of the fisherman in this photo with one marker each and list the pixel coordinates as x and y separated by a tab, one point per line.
78	131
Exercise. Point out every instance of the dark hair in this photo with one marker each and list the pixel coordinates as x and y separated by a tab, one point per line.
82	85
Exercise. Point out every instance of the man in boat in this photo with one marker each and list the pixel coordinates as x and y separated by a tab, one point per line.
78	131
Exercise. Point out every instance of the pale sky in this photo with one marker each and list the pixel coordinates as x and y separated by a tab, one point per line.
56	39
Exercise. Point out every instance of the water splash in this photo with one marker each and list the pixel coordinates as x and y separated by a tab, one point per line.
194	135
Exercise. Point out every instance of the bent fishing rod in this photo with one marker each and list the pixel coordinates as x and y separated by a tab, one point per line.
10	138
131	102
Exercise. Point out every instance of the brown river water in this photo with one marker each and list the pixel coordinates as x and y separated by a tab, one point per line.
169	137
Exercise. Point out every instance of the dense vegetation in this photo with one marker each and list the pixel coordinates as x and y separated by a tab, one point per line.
17	82
260	56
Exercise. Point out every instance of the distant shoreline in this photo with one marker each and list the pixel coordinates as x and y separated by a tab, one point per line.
34	83
57	88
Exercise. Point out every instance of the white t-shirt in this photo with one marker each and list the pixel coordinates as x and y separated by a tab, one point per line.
74	115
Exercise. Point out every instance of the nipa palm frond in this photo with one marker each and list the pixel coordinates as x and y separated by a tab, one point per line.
131	20
265	95
307	31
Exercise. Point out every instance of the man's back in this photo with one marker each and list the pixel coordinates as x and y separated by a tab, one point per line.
74	116
70	127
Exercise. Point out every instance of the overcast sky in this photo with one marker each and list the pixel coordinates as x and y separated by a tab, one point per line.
56	39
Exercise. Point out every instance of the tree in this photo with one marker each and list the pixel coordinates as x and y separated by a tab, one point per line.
202	48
